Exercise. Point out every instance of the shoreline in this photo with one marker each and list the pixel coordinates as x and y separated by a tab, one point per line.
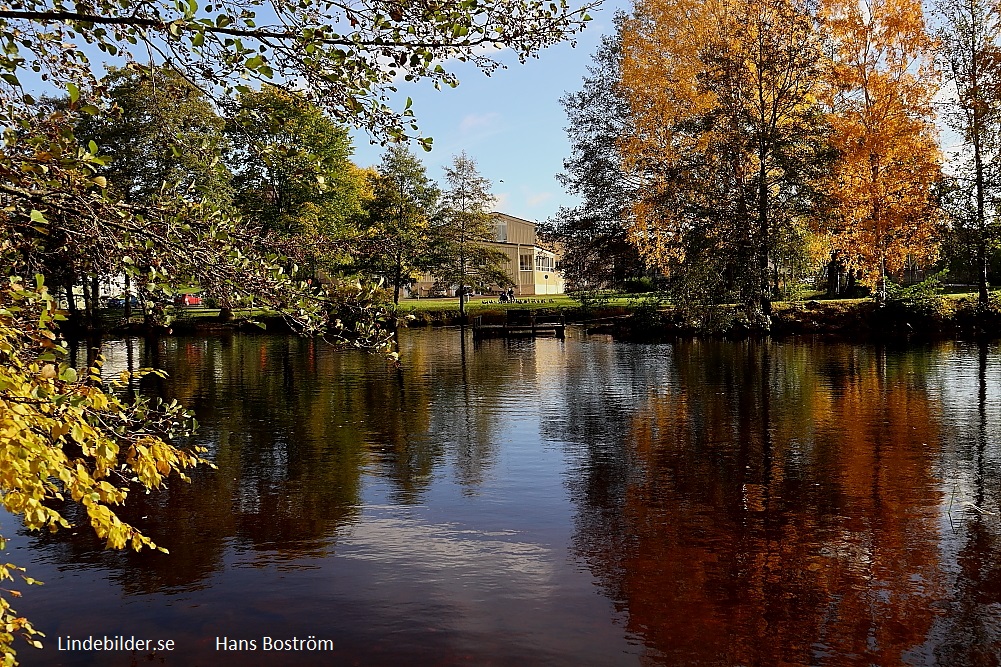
858	320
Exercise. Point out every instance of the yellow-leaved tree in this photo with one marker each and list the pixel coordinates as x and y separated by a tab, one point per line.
70	436
879	84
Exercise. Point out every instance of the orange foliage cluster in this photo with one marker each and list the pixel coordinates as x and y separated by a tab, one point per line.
879	90
754	117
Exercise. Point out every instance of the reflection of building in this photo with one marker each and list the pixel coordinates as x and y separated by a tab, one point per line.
529	266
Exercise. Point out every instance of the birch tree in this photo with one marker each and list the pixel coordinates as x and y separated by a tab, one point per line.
727	137
970	51
880	79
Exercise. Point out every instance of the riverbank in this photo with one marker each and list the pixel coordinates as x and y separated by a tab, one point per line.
941	317
646	318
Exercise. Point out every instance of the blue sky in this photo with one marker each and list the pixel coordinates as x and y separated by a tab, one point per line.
511	123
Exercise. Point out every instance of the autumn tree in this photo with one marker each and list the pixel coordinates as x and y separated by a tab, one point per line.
293	176
396	241
726	137
969	48
464	225
597	252
879	85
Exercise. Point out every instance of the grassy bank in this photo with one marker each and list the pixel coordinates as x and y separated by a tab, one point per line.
445	311
930	317
644	317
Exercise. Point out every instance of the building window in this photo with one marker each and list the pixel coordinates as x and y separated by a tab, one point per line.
502	231
525	262
543	263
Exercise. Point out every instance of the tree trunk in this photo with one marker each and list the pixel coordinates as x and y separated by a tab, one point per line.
88	303
981	189
983	295
95	296
462	281
128	298
881	289
398	277
71	301
763	240
834	269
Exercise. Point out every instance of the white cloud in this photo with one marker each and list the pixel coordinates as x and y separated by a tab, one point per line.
502	201
538	198
480	125
447	554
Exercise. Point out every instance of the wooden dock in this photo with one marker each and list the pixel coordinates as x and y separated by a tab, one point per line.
521	322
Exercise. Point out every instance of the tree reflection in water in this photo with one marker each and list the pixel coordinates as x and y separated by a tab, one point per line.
782	504
745	503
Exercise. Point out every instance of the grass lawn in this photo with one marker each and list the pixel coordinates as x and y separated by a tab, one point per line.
197	312
477	304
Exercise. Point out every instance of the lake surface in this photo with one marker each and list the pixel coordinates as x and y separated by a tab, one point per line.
546	502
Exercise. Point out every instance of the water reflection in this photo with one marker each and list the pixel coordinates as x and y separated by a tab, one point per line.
734	503
783	503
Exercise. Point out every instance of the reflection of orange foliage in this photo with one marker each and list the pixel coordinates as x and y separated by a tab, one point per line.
781	515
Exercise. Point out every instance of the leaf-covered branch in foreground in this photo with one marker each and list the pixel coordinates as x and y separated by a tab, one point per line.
346	54
69	436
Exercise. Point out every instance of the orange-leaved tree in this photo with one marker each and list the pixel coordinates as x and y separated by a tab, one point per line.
727	135
880	81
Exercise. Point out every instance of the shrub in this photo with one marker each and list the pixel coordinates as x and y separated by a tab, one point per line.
923	299
638	286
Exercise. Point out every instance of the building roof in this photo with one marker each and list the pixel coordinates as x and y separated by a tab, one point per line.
514	218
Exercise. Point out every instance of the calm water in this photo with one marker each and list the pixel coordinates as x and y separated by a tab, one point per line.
559	503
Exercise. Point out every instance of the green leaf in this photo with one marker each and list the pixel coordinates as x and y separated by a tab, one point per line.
74	92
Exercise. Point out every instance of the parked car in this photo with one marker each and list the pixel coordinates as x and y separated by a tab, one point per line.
119	302
187	300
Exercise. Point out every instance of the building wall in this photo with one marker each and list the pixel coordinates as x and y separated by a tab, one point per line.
530	267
